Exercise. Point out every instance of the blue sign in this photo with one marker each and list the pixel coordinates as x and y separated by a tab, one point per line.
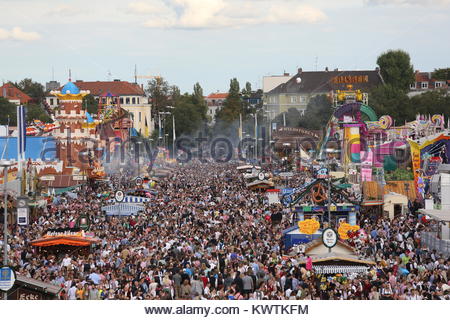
7	278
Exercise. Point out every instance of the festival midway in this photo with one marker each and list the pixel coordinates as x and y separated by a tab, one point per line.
315	183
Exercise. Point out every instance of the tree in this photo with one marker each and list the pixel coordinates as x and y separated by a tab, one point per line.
36	112
9	112
318	113
396	69
441	74
292	117
34	89
393	101
247	91
90	104
199	101
159	91
232	105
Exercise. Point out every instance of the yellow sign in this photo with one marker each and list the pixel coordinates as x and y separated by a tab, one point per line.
308	226
350	79
344	228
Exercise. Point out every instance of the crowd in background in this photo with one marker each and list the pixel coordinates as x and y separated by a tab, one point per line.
204	235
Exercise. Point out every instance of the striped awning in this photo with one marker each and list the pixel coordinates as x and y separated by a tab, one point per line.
122	209
340	269
132	199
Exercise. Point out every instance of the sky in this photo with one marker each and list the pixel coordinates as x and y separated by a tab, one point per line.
212	41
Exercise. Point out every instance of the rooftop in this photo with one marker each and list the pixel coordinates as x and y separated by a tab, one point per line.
326	81
116	88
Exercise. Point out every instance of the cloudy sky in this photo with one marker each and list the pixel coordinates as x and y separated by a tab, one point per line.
211	41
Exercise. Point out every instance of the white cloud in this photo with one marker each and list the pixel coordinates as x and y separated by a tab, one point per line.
65	10
207	14
17	33
408	2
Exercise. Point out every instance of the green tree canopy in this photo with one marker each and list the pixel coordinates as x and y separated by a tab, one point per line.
8	112
158	90
393	101
318	113
90	104
441	74
32	88
36	112
396	69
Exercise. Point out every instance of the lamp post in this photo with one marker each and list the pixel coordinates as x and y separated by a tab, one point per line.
138	152
5	164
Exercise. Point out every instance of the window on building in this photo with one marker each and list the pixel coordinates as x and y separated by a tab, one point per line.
412	86
127	101
121	100
140	119
138	100
302	99
51	102
438	84
424	85
293	99
133	100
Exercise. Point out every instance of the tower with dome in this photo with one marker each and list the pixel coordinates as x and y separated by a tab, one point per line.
75	141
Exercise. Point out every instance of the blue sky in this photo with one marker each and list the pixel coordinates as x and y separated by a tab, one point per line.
211	41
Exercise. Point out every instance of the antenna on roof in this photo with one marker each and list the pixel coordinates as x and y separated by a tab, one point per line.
108	75
135	73
315	62
70	75
53	73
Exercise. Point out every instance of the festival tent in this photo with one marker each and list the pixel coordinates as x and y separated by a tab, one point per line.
65	237
122	209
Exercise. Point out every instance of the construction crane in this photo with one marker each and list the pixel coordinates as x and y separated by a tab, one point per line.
150	76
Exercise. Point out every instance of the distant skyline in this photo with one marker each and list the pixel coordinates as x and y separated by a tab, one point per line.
212	41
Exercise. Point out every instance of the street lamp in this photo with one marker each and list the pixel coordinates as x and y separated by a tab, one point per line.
138	151
5	164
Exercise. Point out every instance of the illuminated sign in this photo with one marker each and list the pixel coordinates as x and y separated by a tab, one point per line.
350	79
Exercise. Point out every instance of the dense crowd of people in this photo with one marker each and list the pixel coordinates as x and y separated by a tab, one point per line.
204	235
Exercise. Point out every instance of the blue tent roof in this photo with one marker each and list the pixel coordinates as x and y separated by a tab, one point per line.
71	87
37	148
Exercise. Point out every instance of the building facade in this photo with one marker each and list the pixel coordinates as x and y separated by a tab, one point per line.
215	101
130	96
13	94
425	82
299	89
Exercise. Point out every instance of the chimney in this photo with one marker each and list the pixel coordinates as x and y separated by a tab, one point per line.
116	80
142	86
78	80
286	74
326	69
377	69
336	69
300	70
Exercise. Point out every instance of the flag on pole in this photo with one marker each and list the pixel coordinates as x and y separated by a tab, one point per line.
21	132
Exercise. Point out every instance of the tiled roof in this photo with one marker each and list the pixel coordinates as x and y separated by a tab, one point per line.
326	81
10	92
119	88
217	95
422	76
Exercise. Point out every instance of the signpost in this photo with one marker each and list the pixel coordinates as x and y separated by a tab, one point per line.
22	211
119	196
329	238
7	279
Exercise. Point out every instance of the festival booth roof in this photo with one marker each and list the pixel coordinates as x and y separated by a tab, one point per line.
133	199
123	209
29	288
65	237
342	258
260	184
